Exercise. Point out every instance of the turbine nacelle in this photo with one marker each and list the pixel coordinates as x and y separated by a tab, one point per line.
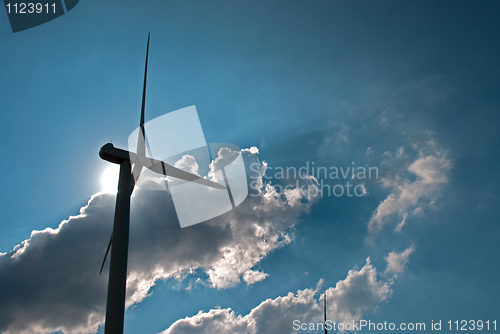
115	155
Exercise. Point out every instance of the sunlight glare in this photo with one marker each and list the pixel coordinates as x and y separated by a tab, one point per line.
109	179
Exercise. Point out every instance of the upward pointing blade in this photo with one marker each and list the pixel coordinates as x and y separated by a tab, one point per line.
141	141
141	144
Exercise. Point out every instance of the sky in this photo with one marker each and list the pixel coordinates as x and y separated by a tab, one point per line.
409	88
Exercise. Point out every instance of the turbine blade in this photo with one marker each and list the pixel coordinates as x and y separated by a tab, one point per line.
163	168
107	251
141	143
141	140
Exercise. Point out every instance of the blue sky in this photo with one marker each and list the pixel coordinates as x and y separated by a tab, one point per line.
408	87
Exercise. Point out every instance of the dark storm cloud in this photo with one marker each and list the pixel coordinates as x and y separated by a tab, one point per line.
51	281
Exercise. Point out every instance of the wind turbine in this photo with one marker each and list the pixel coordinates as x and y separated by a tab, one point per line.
324	311
115	305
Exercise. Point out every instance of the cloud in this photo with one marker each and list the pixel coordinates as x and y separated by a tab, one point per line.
403	222
358	293
431	169
51	281
252	276
337	143
271	316
368	152
396	262
224	157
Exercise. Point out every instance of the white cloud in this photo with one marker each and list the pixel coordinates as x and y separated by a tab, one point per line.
396	262
403	222
337	143
252	276
400	153
224	157
188	163
368	152
431	171
358	293
271	316
214	321
51	281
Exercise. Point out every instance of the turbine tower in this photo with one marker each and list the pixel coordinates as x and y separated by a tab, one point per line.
115	305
